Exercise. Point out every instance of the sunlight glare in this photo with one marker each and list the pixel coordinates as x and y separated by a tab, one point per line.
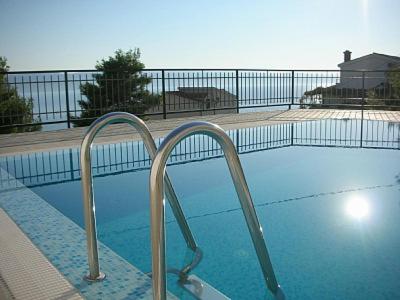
357	208
364	8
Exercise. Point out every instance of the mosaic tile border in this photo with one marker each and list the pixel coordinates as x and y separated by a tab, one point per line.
64	244
25	273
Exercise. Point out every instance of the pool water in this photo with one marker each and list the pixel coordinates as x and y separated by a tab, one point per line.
330	215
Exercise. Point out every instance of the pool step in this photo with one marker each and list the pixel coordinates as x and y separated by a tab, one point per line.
202	290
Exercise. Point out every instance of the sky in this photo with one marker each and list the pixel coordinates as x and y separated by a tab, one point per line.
280	34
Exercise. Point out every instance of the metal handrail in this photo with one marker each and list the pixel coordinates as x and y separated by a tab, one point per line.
157	175
87	187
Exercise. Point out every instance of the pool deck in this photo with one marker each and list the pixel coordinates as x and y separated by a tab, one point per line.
65	138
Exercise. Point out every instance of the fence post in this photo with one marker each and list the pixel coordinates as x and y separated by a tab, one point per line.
362	107
163	94
292	96
237	91
67	99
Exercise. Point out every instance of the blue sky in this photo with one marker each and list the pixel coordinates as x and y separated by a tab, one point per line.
74	34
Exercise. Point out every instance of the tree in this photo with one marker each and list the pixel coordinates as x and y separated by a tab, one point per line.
394	81
14	109
119	86
387	94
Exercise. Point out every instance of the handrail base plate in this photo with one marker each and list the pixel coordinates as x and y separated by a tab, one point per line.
201	290
101	277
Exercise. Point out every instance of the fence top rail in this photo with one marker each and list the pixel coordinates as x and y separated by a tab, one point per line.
198	69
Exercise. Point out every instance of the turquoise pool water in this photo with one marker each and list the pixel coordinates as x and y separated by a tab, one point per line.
331	215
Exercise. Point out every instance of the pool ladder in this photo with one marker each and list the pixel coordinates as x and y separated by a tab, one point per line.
158	180
88	195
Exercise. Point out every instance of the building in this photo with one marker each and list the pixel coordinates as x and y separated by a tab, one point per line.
379	63
199	101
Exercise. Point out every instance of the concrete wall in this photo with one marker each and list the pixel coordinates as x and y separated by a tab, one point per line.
171	115
179	107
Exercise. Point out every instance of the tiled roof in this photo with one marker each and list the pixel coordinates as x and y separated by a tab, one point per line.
392	57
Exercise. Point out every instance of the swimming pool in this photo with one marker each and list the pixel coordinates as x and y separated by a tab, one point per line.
329	209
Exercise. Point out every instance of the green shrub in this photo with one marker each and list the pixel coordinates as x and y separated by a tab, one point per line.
14	109
119	86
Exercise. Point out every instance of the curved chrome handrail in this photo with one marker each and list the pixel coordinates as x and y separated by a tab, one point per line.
157	175
87	186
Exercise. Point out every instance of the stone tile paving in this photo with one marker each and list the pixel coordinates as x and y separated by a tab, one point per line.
35	141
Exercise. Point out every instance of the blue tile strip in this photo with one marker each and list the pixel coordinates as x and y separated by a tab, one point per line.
64	244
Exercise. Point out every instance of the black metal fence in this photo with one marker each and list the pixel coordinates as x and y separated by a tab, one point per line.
56	95
51	167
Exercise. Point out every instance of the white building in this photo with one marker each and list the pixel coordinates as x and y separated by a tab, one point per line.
379	63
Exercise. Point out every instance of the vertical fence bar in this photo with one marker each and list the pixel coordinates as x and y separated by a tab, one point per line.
163	94
237	91
292	92
237	140
67	99
291	133
362	108
71	164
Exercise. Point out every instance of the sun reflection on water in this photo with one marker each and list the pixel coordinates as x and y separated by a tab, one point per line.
357	208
